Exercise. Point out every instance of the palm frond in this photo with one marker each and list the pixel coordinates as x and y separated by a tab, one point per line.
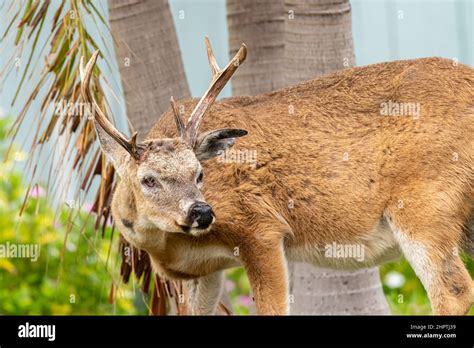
62	119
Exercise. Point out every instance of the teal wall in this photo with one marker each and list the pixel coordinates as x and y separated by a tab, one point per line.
382	30
201	17
391	30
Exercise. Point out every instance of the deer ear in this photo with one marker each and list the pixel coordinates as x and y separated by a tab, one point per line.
212	143
113	150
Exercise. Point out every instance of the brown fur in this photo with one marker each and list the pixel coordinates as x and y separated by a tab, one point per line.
330	168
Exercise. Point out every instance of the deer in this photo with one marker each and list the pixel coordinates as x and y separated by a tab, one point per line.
334	168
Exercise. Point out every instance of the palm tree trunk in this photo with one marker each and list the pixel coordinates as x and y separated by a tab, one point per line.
291	41
148	55
151	71
260	25
318	38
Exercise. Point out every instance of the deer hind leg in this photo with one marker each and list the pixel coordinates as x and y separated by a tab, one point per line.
430	244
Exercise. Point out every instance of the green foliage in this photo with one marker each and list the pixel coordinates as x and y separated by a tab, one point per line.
238	289
410	298
71	275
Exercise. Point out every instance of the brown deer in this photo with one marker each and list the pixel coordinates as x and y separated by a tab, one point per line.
352	170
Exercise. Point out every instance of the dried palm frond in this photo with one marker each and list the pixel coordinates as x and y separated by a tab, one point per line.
58	83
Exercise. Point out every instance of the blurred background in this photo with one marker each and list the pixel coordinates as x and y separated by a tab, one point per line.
78	272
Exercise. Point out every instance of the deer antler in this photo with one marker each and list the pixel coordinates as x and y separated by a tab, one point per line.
134	149
219	80
179	122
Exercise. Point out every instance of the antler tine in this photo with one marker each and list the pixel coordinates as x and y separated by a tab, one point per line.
212	60
219	80
128	144
179	122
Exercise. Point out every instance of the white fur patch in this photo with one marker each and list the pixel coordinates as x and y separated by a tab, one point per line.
379	245
185	204
195	256
415	252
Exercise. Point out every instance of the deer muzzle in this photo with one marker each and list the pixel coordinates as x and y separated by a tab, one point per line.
200	215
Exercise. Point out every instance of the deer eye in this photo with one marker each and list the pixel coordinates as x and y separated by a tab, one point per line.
149	181
200	177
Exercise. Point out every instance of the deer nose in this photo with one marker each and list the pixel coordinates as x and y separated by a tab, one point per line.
201	213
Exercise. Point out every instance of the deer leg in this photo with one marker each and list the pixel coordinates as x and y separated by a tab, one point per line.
204	293
433	254
266	268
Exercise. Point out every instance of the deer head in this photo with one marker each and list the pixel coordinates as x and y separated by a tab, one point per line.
165	175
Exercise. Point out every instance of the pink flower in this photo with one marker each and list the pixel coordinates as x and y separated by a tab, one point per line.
88	207
109	222
229	285
244	301
37	192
